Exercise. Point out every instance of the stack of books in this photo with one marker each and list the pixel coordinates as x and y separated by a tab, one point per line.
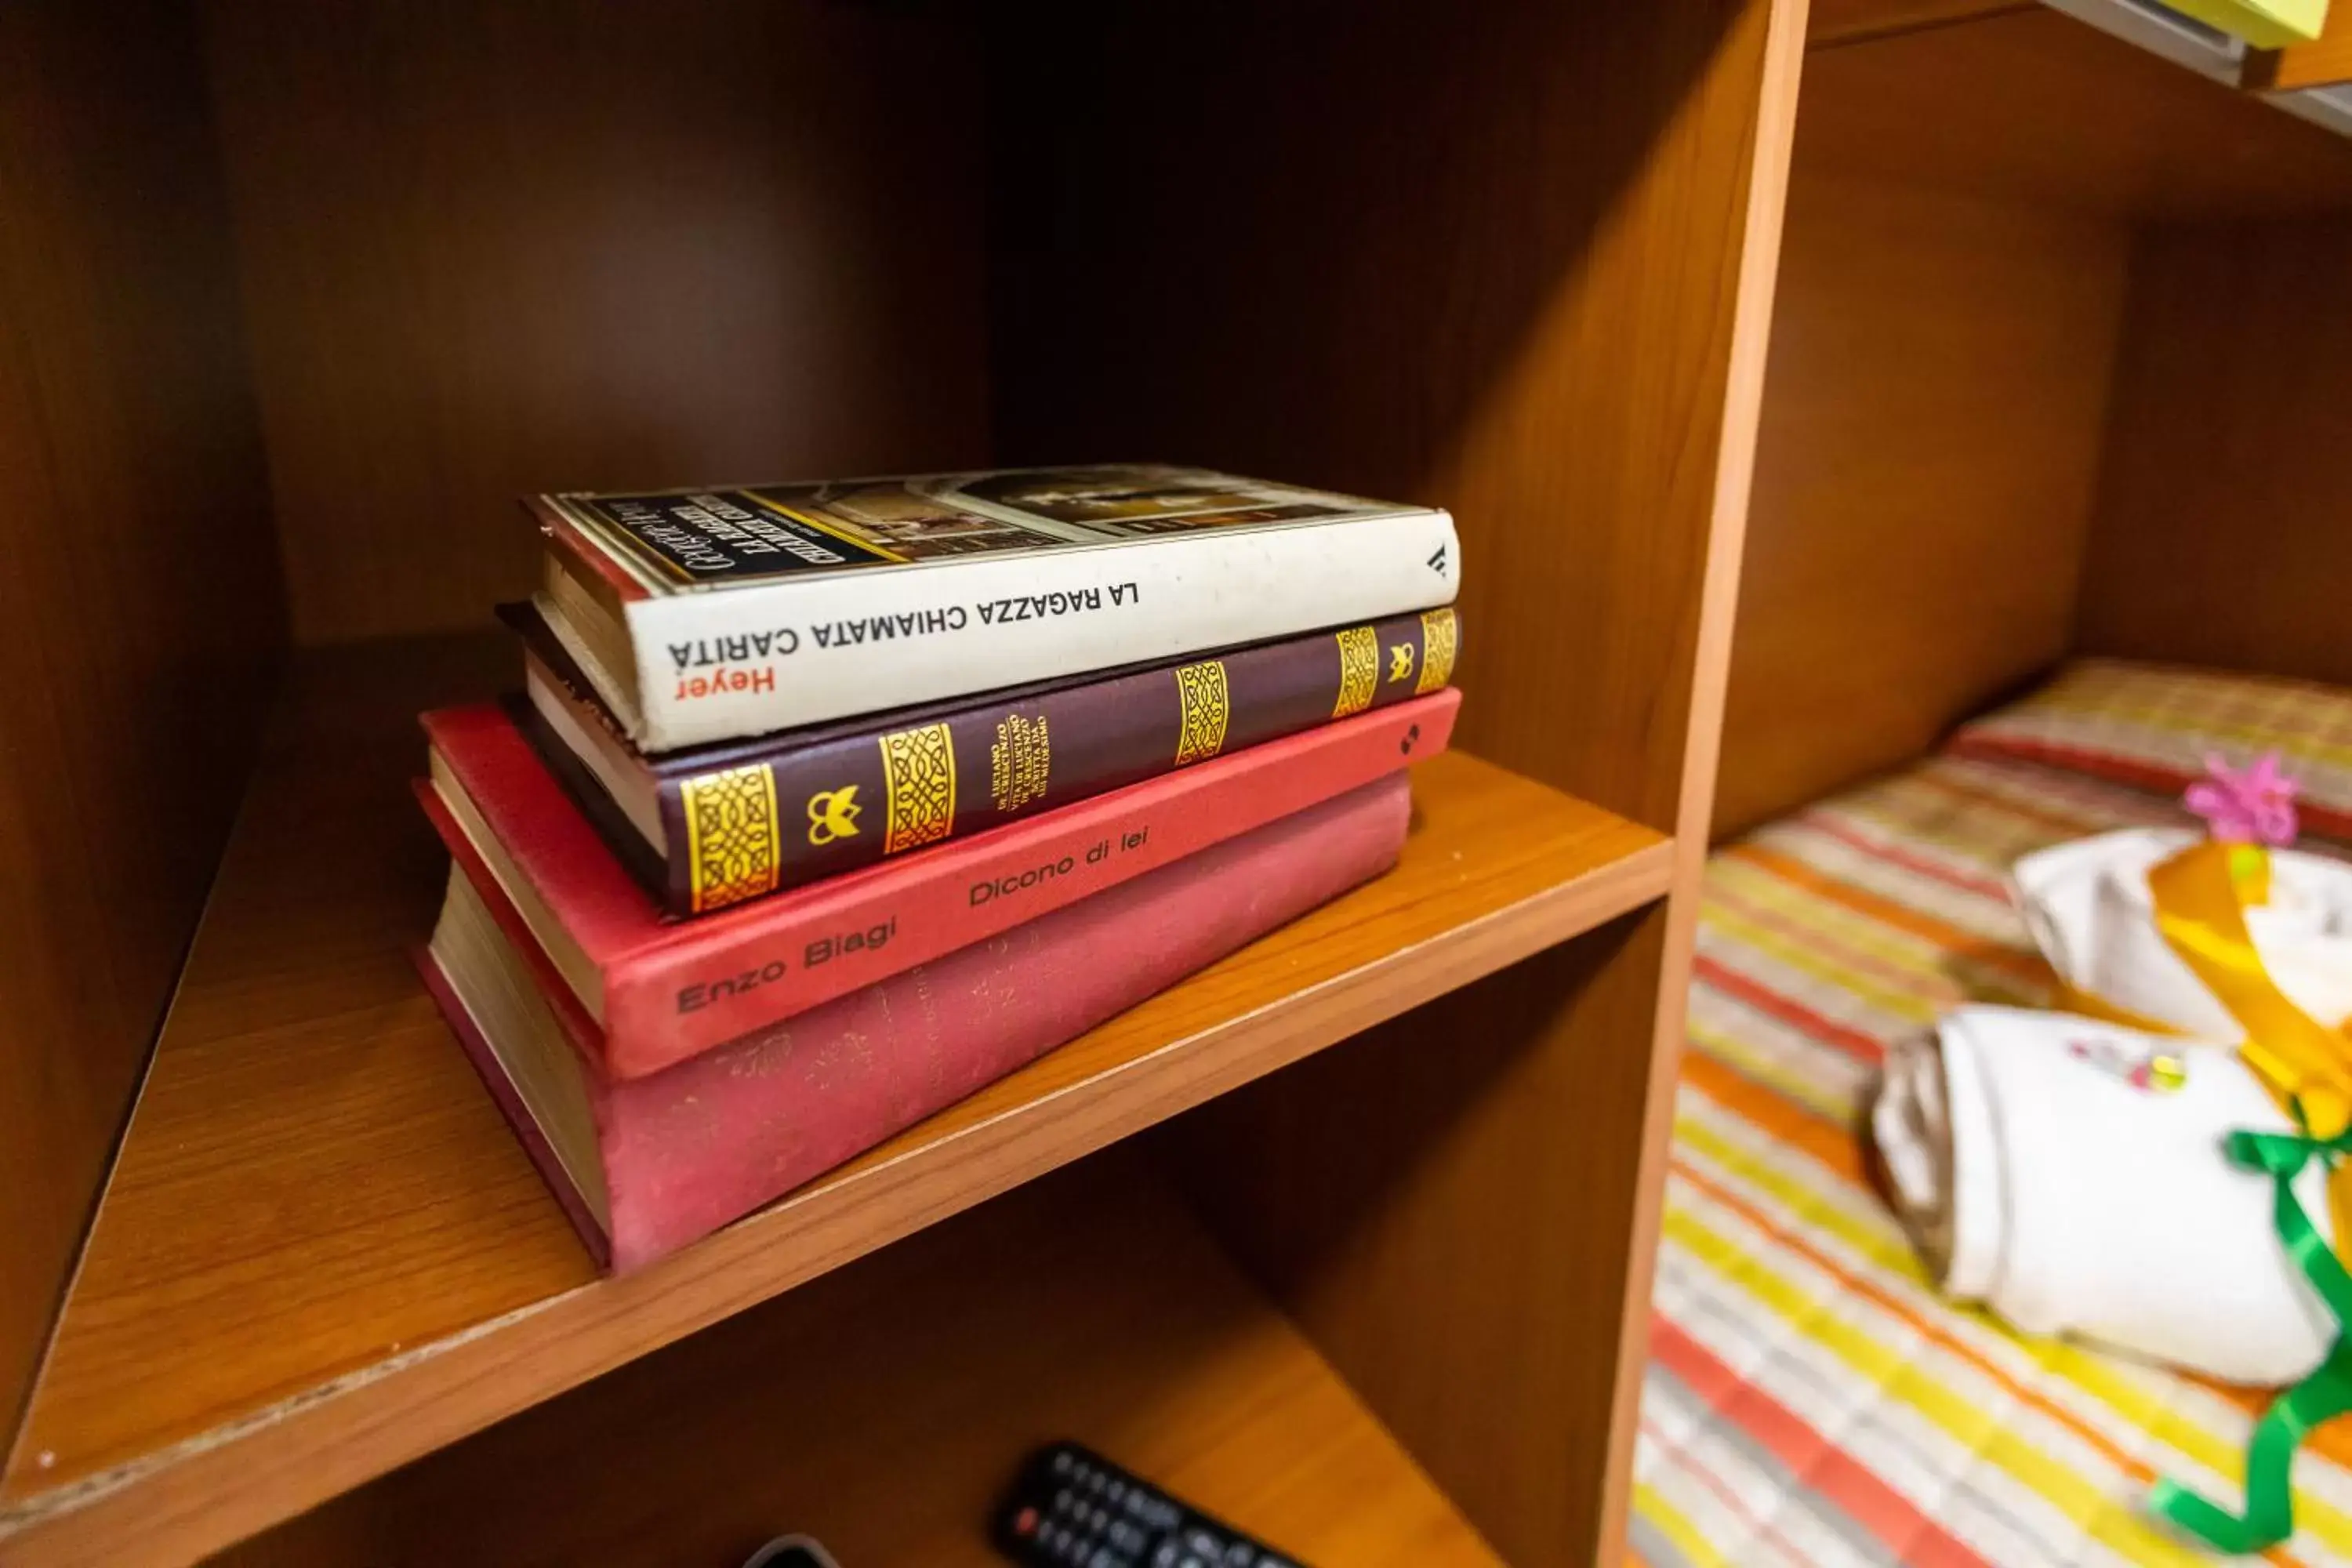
823	806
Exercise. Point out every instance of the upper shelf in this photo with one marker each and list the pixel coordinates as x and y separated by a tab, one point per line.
2036	106
1853	21
2326	61
321	1254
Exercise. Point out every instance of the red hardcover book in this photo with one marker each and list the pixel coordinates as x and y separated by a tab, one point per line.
647	1165
661	991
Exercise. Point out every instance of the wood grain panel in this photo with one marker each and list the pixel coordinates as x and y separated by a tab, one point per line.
1931	443
322	1255
488	250
2222	535
1088	1306
1482	1184
1838	22
2040	108
1517	303
139	604
1517	300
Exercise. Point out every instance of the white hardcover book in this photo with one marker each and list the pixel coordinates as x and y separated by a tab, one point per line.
706	615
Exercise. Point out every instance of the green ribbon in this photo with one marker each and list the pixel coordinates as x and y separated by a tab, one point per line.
2268	1517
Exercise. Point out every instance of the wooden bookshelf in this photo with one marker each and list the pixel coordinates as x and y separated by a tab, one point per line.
298	299
882	1408
322	1255
296	296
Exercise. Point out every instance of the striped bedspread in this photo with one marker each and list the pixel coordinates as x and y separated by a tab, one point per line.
1809	1400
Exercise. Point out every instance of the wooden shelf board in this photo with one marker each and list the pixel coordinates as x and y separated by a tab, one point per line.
1834	21
884	1408
2040	108
322	1255
2326	61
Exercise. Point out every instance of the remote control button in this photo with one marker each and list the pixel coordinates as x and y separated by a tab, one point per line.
1118	1489
1126	1537
1024	1523
1166	1555
1239	1555
1202	1541
1062	1462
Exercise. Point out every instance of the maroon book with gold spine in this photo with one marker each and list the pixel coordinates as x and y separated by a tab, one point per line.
718	824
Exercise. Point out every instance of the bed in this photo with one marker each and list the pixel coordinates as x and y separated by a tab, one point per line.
1809	1399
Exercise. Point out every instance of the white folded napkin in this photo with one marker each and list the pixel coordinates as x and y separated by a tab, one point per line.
2088	907
2069	1173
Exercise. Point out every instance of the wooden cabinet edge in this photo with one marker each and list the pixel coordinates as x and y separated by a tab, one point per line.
2325	62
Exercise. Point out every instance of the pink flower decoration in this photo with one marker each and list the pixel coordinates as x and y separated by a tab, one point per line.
2256	807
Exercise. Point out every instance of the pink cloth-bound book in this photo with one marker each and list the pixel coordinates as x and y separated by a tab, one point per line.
690	1147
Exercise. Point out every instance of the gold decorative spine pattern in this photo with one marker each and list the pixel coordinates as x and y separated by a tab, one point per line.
1438	633
1021	763
734	845
1201	688
919	774
1360	670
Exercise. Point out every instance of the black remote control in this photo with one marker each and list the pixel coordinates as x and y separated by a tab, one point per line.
1074	1509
